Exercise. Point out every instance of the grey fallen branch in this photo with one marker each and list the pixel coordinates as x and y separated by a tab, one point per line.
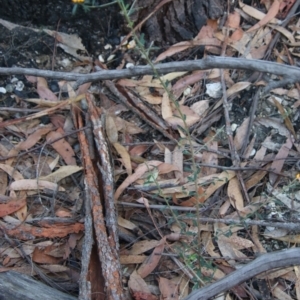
290	74
265	262
19	286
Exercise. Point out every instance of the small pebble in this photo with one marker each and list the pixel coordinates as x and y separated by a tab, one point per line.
2	90
129	65
19	86
131	44
252	152
187	91
101	58
9	88
214	90
108	46
111	57
234	127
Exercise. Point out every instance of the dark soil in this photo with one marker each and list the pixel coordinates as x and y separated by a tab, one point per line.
96	27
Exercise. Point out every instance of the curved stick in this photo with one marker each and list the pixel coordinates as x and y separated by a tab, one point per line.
265	262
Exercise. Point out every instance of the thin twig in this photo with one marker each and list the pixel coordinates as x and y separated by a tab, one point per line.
286	225
160	207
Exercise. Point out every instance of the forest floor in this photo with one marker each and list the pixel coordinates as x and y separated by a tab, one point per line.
119	181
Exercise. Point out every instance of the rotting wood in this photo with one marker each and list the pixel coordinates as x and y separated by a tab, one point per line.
17	286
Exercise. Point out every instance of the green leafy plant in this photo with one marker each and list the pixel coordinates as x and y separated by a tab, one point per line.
140	45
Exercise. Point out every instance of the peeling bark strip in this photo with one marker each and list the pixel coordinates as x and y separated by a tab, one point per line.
106	232
278	259
107	176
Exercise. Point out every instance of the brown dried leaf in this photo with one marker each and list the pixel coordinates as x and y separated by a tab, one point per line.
179	47
240	243
193	200
127	127
39	256
122	151
166	108
22	213
71	243
62	147
111	129
200	107
165	168
61	173
285	117
58	120
152	261
279	293
63	213
72	40
219	180
3	182
146	81
177	161
168	289
190	117
229	250
205	37
255	13
140	170
34	138
273	11
241	134
43	90
139	287
33	184
132	259
233	20
31	79
145	93
209	157
24	127
12	172
256	178
237	35
126	224
279	160
138	150
235	194
294	239
236	88
143	246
